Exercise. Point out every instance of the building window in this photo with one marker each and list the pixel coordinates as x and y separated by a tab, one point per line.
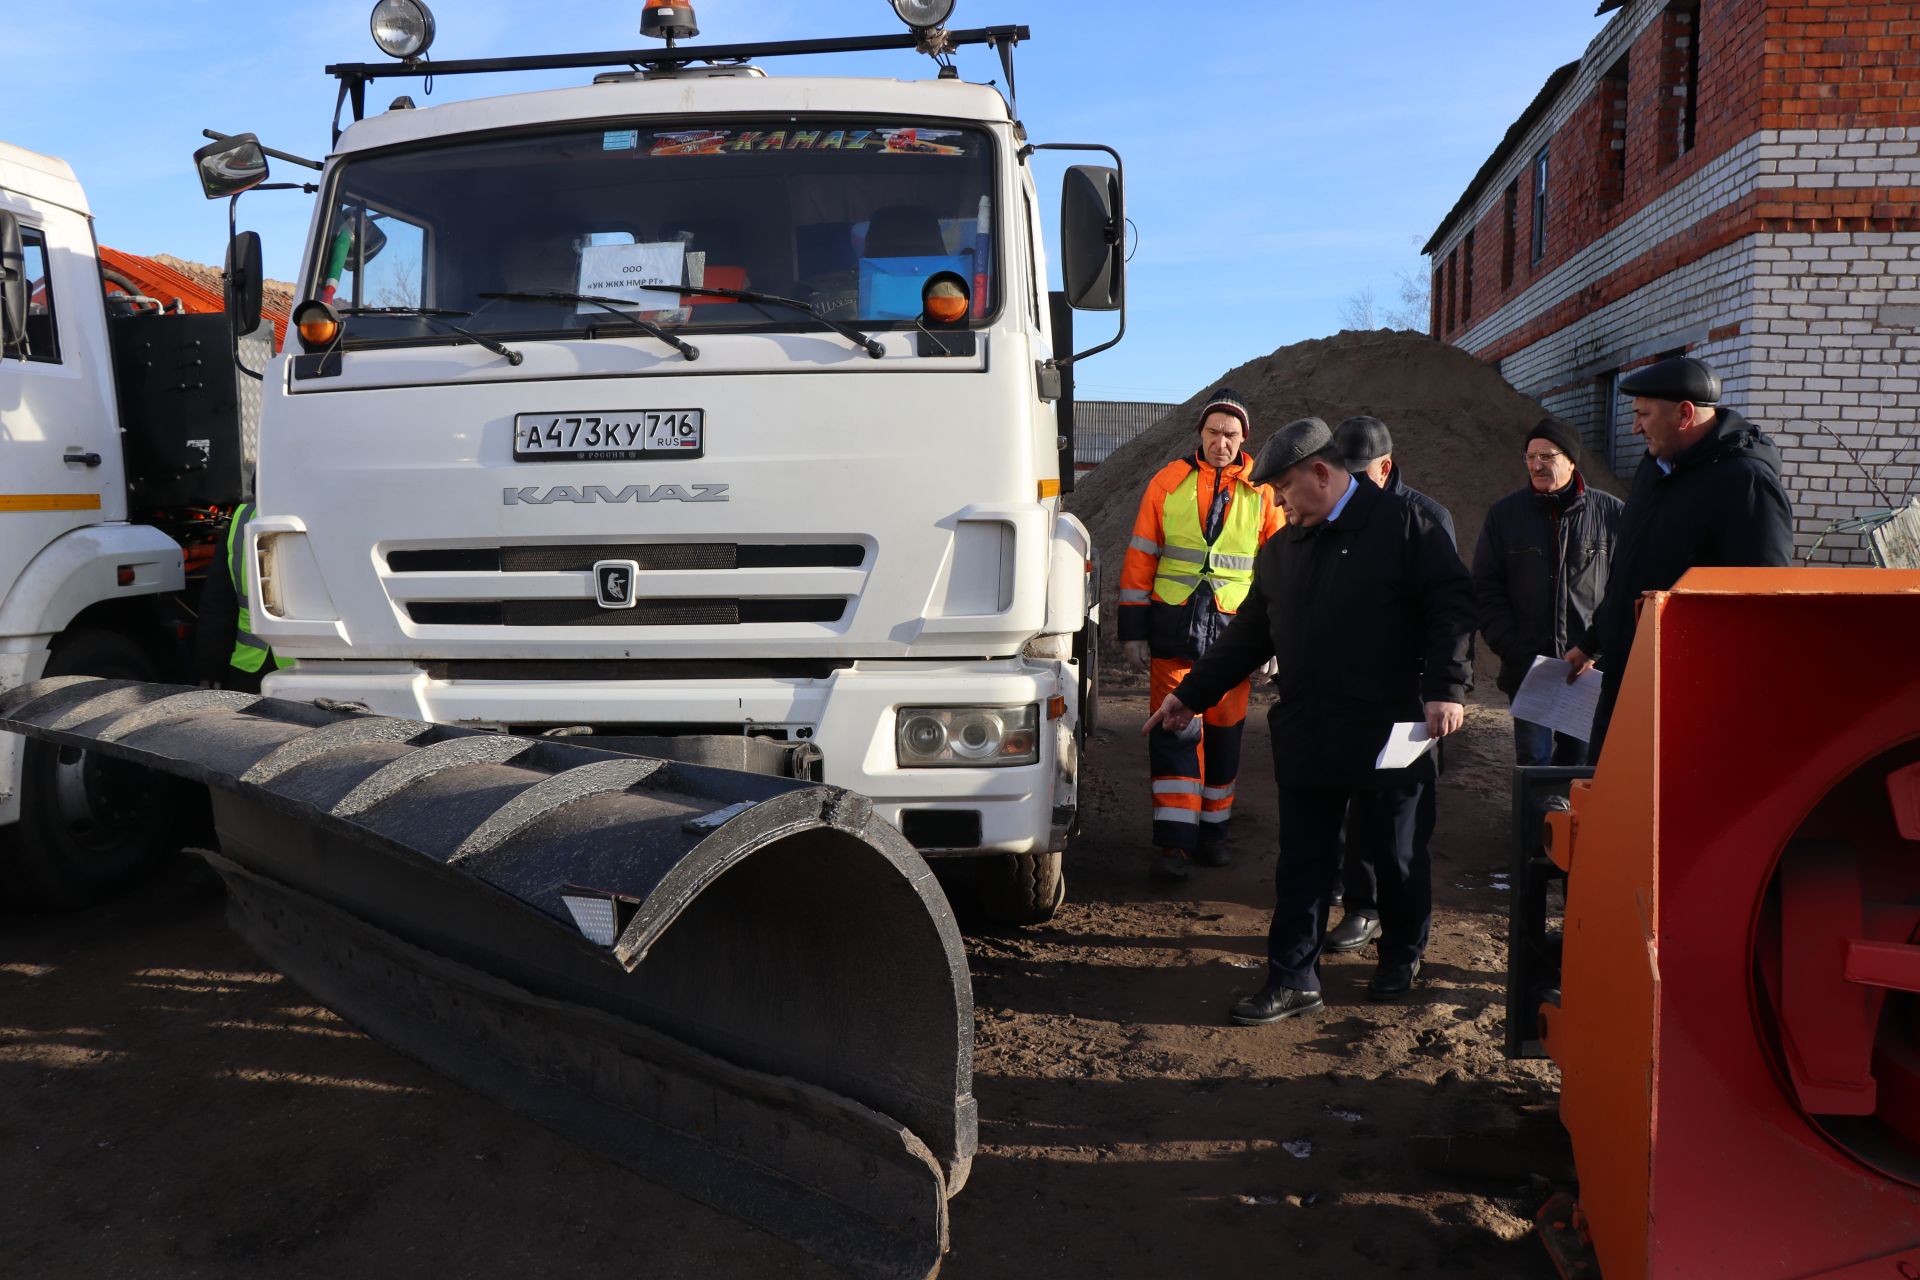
42	335
1540	207
1466	280
1680	78
1435	294
1509	231
1610	163
1453	286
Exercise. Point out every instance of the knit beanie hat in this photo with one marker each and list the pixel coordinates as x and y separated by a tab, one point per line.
1559	435
1225	400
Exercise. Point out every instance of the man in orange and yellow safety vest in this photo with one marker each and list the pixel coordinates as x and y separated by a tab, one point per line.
1187	569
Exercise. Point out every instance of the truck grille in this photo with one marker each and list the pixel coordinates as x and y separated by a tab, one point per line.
650	556
645	613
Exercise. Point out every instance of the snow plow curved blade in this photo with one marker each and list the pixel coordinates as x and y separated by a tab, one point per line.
746	988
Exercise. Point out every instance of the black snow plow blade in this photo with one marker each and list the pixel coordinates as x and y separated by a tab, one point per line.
746	988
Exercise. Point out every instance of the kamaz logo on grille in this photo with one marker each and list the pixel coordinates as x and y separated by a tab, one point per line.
533	495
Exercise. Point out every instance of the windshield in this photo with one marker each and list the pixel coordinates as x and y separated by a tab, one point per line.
854	219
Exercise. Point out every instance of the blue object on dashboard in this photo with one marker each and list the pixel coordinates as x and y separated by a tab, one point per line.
890	287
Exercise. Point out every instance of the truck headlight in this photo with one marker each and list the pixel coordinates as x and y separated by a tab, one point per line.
967	737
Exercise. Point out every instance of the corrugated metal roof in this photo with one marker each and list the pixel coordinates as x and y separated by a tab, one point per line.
1509	143
1101	426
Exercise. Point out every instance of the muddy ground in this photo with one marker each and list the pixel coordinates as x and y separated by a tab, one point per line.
170	1107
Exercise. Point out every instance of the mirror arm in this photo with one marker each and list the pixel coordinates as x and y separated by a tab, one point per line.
1116	234
288	156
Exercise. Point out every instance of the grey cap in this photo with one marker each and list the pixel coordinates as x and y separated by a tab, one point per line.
1362	440
1288	447
1677	378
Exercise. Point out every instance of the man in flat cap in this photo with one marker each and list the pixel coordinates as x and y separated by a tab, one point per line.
1187	570
1368	612
1367	445
1707	493
1540	571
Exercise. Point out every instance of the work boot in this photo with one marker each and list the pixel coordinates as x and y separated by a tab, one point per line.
1355	930
1391	981
1272	1004
1171	866
1213	855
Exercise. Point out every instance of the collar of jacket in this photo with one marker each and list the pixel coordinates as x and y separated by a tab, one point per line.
1728	432
1366	496
1567	495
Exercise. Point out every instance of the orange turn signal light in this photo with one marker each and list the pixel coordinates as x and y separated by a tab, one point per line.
1056	707
318	325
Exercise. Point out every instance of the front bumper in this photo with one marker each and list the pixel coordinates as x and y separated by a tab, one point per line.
849	716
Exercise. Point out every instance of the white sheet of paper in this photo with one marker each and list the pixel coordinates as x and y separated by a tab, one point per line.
625	271
1546	698
1405	744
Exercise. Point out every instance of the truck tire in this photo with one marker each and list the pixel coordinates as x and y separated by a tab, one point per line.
89	826
1020	888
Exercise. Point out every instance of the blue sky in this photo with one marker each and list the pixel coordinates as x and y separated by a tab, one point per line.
1280	154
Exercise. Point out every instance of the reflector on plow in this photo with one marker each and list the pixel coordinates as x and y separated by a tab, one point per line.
744	987
1739	1030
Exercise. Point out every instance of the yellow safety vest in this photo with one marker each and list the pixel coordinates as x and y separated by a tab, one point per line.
249	651
1185	557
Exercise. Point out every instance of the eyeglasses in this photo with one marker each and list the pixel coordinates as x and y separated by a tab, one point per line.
1544	459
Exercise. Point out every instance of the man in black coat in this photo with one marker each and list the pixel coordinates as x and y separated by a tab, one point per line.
1540	571
1707	494
1368	613
1367	446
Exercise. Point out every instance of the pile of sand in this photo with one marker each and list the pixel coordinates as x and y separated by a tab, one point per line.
1458	431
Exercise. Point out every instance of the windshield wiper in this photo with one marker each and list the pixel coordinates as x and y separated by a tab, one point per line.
847	331
610	305
432	315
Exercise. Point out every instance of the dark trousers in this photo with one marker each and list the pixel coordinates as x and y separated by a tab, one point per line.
1361	884
1603	714
1381	823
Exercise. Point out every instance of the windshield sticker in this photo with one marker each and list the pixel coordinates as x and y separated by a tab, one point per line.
895	141
619	139
625	272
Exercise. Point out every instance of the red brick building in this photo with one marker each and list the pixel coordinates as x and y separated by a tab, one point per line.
1734	179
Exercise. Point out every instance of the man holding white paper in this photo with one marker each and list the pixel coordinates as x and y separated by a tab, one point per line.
1368	613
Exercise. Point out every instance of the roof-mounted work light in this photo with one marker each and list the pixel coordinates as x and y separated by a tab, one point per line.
923	15
668	20
402	28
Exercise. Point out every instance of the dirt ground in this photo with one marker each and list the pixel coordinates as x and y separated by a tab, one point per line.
169	1107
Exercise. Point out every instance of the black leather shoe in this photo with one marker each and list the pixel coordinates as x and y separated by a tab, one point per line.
1170	866
1273	1004
1391	981
1355	930
1213	855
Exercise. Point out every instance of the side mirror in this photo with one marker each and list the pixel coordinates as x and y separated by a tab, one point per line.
244	287
1092	239
231	166
367	246
13	282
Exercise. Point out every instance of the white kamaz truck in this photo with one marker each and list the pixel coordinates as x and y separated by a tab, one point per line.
709	413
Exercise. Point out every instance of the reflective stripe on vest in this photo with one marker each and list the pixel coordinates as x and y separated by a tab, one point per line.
1186	557
249	651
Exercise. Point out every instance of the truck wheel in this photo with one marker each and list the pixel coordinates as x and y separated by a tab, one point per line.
89	826
1020	888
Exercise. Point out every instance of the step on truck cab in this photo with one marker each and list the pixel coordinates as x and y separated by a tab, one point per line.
710	413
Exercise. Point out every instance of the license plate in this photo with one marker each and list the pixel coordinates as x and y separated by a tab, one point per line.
641	433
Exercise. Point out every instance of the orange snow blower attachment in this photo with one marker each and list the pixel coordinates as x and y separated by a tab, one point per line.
1739	1018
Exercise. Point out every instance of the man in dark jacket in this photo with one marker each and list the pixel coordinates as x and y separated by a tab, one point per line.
1707	494
1368	613
1367	447
1540	571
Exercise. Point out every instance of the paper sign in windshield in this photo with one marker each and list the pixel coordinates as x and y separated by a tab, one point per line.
625	272
887	141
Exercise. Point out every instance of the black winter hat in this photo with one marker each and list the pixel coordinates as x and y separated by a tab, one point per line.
1225	400
1289	447
1559	435
1676	378
1362	440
